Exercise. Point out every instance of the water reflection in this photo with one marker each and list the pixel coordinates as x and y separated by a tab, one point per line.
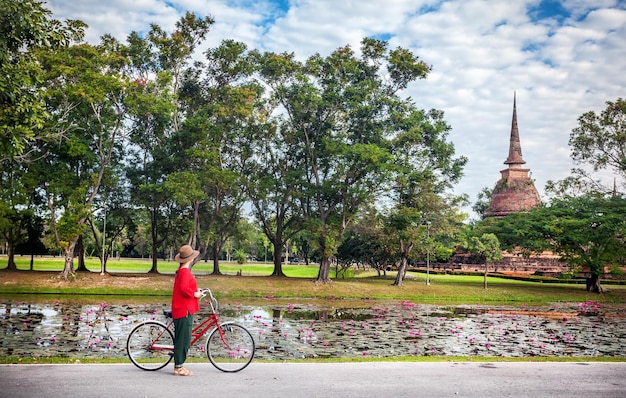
288	331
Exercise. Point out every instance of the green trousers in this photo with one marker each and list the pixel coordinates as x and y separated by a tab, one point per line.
182	339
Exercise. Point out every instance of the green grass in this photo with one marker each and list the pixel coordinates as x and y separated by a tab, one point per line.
256	284
433	358
126	265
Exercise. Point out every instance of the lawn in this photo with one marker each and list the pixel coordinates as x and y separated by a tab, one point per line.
126	265
129	277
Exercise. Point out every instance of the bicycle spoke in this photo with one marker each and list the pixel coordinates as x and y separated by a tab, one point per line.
150	345
233	351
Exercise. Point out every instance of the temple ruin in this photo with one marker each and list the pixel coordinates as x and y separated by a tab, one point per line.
515	191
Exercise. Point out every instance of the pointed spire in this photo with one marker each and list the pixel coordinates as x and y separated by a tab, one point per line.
515	148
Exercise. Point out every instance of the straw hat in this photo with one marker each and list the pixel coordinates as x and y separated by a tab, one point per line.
186	254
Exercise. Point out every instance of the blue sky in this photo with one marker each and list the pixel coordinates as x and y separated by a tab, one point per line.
562	58
548	9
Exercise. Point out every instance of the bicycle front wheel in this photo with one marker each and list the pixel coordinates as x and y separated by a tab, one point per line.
230	347
150	345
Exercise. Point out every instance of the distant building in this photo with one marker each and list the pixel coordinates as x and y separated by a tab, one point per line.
515	191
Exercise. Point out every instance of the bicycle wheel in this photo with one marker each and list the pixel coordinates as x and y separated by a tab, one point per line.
232	350
150	345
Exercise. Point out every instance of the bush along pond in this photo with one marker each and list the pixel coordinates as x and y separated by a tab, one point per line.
287	331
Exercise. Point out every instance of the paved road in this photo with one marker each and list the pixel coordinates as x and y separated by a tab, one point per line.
336	380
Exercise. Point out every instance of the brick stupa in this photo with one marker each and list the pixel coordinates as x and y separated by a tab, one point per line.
515	191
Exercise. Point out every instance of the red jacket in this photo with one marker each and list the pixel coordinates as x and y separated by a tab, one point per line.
183	300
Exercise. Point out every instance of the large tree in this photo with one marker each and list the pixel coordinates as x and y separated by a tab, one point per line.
86	90
276	181
157	65
274	187
588	233
339	110
26	28
220	123
424	170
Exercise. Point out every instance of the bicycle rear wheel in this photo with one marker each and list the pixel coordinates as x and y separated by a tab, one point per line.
232	350
150	345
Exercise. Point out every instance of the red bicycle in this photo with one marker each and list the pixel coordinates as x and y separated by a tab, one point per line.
230	346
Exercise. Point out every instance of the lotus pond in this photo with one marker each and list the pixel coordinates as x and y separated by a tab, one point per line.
291	330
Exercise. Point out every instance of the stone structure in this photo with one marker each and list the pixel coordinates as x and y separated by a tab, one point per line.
515	191
544	264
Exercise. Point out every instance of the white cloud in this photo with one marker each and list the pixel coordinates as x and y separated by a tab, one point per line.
481	52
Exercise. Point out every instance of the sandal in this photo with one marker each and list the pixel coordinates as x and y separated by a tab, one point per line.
182	372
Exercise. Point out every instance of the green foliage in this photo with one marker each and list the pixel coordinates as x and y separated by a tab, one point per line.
586	231
599	142
486	247
25	26
160	174
191	142
216	134
483	201
345	128
84	96
240	256
366	243
589	231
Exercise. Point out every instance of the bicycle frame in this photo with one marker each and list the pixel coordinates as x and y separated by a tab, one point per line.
198	331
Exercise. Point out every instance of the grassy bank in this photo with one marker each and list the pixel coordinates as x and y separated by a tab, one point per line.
252	281
477	359
129	265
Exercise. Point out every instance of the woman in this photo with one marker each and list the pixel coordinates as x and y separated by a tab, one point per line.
184	304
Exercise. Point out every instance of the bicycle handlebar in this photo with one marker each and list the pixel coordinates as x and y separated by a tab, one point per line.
212	300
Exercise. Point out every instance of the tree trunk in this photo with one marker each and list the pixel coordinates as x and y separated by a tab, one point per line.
155	259
154	234
11	257
80	251
405	249
401	271
68	268
593	284
323	276
12	237
485	277
216	259
278	263
278	248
